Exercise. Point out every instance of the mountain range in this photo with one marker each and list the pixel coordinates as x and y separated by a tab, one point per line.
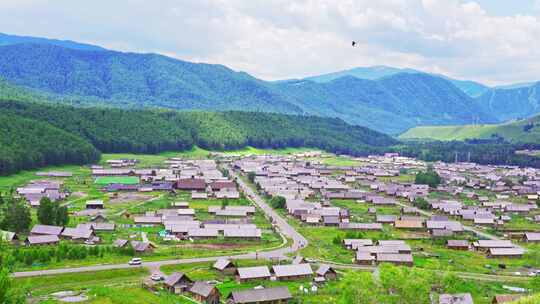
386	99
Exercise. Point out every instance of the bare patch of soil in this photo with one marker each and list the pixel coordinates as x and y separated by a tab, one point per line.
126	197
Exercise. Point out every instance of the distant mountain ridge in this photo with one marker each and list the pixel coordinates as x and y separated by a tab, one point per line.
386	99
6	39
471	88
515	103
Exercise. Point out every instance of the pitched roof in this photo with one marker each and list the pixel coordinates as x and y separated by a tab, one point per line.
493	244
457	243
201	288
42	239
292	270
254	272
242	233
323	269
394	257
222	264
506	251
46	229
174	278
120	243
532	236
261	295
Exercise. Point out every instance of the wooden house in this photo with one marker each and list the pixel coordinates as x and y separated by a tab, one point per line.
205	293
177	283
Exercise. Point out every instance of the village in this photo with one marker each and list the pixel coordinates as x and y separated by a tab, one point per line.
329	214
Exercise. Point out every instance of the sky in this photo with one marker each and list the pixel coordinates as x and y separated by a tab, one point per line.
491	41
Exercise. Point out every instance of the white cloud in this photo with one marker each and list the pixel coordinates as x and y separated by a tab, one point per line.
284	39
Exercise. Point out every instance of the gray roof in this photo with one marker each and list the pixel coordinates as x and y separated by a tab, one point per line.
202	232
201	288
261	295
323	269
458	243
292	270
242	233
174	278
222	264
46	229
394	257
532	236
254	272
78	233
42	239
506	251
140	246
385	218
493	244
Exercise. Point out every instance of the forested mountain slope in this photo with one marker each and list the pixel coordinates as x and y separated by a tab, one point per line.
27	143
136	79
391	104
153	131
514	103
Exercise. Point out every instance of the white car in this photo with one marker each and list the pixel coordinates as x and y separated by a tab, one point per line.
135	261
156	277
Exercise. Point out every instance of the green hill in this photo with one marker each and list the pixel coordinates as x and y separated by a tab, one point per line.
526	131
27	143
154	131
449	132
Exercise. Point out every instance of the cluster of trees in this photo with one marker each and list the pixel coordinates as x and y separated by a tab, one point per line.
278	202
395	285
494	152
10	293
52	213
64	251
421	203
429	177
14	214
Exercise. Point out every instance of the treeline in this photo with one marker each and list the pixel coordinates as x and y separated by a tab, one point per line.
68	133
27	143
493	152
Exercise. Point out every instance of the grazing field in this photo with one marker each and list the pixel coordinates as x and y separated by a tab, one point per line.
124	180
449	132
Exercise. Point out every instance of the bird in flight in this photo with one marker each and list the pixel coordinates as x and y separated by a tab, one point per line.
354	43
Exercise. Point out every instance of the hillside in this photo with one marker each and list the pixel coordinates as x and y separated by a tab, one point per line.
391	104
27	143
136	79
146	131
526	131
449	132
512	103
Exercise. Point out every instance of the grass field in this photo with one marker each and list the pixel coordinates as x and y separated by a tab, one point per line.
124	180
449	132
